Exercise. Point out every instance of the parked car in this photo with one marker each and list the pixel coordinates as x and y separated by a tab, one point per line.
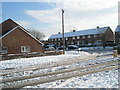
117	48
72	47
49	47
60	48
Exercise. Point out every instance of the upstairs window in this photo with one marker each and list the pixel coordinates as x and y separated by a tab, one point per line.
25	48
66	38
95	35
73	37
78	37
101	35
89	36
83	37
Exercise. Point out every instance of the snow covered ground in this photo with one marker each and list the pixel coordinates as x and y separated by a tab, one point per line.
25	62
47	60
105	79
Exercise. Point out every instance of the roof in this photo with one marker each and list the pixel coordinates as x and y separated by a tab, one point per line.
9	32
23	30
81	33
117	29
10	25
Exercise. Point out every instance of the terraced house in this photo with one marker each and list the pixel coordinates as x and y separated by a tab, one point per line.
117	35
99	35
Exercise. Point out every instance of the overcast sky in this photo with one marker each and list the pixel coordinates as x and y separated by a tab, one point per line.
45	15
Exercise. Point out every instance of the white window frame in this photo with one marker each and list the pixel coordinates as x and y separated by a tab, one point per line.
89	36
73	37
4	51
78	43
100	35
25	48
72	42
95	35
83	37
78	37
66	38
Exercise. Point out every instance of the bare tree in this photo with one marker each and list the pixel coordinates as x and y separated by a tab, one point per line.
38	35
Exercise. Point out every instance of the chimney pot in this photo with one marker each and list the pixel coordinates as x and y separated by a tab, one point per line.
74	30
98	27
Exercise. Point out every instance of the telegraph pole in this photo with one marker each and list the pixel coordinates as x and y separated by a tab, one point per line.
63	38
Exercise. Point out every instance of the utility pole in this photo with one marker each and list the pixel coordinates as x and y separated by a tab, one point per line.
63	38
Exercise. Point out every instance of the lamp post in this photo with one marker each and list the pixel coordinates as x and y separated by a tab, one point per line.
63	38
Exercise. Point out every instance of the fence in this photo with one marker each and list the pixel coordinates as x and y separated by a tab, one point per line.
27	55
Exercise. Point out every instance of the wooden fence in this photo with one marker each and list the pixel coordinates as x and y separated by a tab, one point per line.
28	55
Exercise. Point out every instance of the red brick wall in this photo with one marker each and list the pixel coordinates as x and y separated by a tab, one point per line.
109	35
117	37
14	40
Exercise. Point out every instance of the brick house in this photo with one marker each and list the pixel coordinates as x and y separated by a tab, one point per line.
15	39
117	35
85	37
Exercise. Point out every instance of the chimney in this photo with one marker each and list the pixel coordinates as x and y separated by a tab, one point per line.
98	27
74	30
58	32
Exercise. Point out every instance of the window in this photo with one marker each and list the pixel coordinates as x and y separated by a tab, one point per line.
89	36
82	42
55	39
83	37
95	35
25	48
72	42
77	42
73	37
78	37
100	35
67	43
4	50
59	43
66	38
